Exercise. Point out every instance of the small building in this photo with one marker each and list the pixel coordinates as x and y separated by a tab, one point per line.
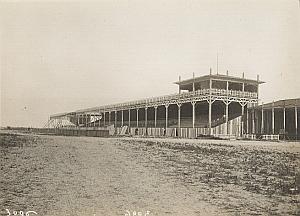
276	118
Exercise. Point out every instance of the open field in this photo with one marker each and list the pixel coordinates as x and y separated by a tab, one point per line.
55	175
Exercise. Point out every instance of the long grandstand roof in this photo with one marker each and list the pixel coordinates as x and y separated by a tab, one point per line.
287	103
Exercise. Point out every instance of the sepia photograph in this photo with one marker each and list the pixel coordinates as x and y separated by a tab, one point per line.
149	107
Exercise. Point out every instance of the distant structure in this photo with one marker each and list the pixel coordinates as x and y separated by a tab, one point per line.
211	105
280	118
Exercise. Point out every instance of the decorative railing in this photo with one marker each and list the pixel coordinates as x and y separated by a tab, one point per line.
184	95
173	97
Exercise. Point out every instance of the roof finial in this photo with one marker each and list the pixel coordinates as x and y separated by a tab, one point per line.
227	73
243	75
209	71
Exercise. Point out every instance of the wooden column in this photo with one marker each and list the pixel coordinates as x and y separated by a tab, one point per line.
166	106
146	117
86	120
155	116
109	113
129	118
209	106
296	122
257	88
209	116
116	117
247	123
193	113
226	108
226	116
273	119
122	120
242	119
99	123
104	118
284	113
179	131
243	108
137	117
94	118
262	119
253	120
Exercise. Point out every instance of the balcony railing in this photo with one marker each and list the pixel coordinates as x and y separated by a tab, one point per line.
182	96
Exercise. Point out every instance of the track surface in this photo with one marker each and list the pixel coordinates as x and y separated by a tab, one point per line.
55	175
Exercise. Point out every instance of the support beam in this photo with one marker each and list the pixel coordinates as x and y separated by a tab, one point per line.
122	120
253	121
243	108
129	118
146	117
296	122
78	120
104	118
99	123
86	120
242	122
116	118
137	117
166	106
155	116
179	110
226	116
284	115
273	119
247	123
210	105
90	120
109	116
193	113
209	116
226	108
262	119
257	89
227	102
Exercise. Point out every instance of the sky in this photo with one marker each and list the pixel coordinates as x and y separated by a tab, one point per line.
62	56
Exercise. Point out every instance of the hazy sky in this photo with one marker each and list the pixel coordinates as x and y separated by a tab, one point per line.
63	56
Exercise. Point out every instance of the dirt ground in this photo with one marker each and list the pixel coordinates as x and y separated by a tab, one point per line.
55	175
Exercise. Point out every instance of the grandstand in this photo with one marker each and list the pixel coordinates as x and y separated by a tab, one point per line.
206	105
